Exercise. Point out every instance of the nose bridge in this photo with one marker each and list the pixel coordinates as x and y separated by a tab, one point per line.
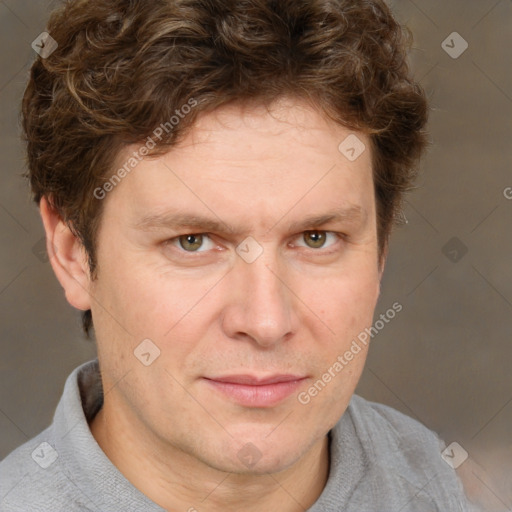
266	286
263	302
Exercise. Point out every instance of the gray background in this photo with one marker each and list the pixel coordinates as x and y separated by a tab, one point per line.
443	360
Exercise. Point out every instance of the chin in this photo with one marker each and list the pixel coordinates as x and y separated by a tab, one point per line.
273	464
257	455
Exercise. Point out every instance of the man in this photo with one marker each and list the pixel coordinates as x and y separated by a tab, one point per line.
217	181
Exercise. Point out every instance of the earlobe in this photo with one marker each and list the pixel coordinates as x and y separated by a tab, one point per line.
67	257
382	260
381	265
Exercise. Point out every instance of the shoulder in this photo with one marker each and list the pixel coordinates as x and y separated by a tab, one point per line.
374	419
31	478
38	475
404	455
392	436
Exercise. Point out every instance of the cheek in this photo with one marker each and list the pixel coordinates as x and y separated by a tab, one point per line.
148	302
345	303
347	308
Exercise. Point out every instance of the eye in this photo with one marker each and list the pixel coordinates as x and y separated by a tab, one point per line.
193	242
318	239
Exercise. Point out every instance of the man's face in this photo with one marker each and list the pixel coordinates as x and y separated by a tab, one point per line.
216	308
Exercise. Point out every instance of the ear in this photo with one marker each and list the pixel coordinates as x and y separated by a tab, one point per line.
68	258
382	260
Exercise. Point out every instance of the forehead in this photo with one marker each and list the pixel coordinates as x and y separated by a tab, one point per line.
257	162
256	133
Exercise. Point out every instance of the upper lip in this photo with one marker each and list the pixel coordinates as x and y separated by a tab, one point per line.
254	380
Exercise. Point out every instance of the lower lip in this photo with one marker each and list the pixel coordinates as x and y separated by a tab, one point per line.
257	396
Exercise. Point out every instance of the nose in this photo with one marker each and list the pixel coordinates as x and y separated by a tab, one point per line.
261	303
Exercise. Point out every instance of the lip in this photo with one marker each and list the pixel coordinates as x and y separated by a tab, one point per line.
254	391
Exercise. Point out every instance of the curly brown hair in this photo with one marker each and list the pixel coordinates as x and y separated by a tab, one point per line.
124	67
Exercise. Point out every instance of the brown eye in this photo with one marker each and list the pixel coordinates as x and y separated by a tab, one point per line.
315	239
191	243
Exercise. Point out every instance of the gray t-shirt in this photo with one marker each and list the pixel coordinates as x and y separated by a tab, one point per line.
381	461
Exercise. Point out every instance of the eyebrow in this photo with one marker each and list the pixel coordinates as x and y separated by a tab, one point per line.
198	223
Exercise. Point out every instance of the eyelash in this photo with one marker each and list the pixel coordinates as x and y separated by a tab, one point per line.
175	242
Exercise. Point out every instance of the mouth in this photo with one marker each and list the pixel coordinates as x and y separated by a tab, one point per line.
254	391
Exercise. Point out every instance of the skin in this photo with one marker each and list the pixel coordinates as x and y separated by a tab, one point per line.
210	313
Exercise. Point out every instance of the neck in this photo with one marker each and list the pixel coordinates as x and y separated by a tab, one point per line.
176	480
